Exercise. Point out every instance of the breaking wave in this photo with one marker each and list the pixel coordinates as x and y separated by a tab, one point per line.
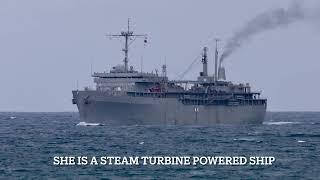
89	124
300	141
280	123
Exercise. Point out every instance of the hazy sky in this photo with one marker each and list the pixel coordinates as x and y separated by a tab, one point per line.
47	46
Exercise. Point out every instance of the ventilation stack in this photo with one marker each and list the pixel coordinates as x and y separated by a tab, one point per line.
204	62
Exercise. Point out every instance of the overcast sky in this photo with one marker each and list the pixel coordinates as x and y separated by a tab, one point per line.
47	46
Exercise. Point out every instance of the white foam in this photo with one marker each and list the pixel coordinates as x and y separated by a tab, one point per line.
141	143
13	117
300	141
88	124
280	123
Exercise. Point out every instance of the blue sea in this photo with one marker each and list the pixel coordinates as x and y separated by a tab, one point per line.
30	141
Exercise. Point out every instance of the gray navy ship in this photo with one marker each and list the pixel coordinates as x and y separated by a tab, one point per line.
124	96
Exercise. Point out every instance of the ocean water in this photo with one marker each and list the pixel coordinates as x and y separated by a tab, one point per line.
29	141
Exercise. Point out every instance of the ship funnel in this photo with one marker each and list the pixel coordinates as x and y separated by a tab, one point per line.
221	73
204	62
216	57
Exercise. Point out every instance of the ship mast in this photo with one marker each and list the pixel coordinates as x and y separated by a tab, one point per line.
127	35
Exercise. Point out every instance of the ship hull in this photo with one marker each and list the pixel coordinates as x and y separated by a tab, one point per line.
127	110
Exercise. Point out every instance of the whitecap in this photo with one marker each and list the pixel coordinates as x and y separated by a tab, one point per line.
300	141
13	117
88	124
141	143
280	123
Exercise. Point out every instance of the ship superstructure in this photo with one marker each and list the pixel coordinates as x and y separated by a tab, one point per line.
124	96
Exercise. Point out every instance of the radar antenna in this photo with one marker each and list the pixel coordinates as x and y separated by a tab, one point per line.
127	35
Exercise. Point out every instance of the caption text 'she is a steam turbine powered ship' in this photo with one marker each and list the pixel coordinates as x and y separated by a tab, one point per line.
128	97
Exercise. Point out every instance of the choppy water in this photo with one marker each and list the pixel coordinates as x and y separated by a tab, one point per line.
29	141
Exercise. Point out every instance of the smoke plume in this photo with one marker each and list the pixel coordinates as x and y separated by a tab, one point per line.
266	21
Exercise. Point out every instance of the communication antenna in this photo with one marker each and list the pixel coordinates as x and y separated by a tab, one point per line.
129	38
164	67
77	85
91	67
141	64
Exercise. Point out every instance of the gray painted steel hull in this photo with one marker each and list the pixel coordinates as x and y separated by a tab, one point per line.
128	110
